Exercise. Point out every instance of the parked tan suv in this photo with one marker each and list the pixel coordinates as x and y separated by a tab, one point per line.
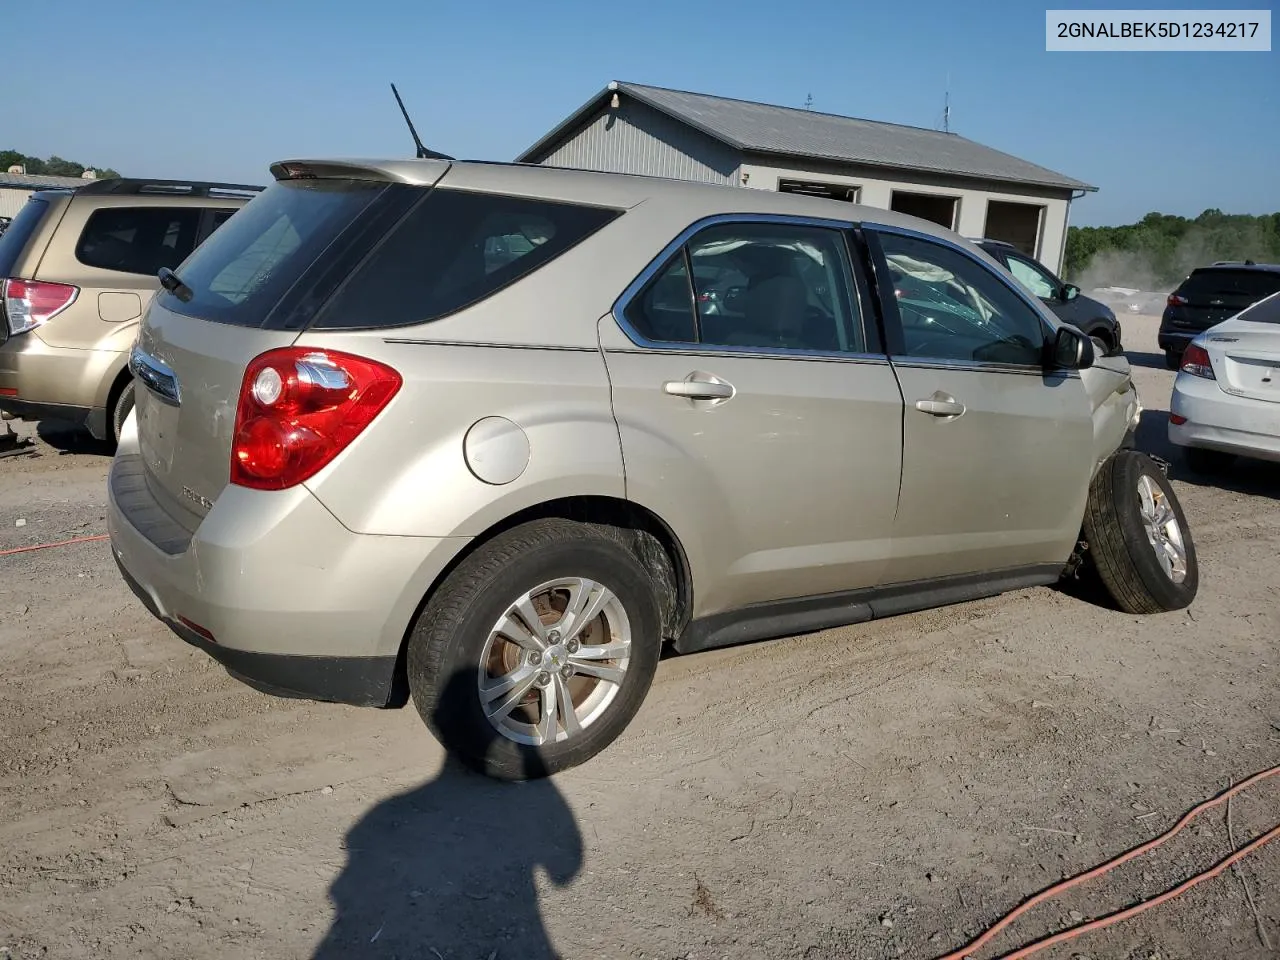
491	435
77	268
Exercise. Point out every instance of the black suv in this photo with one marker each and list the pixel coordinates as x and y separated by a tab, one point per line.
1064	299
1210	295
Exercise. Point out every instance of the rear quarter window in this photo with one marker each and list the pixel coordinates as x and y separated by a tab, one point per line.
138	240
454	249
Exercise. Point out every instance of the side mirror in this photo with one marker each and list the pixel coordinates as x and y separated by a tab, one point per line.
1069	292
1070	350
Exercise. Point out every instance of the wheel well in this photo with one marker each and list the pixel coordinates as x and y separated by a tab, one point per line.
117	388
637	528
1103	333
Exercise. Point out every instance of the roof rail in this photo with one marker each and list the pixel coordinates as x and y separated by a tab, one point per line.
173	188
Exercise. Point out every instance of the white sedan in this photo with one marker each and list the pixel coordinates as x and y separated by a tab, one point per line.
1226	398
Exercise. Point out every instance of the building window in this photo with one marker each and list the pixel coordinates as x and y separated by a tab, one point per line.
1015	223
927	206
828	191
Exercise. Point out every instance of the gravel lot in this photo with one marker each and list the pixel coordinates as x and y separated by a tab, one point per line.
884	790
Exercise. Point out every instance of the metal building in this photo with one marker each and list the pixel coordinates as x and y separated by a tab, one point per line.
15	188
973	189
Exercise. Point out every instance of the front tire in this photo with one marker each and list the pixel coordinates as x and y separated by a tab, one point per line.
1173	359
1138	537
537	651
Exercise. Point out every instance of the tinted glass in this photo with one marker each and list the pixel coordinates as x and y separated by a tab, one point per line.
953	308
1032	277
219	216
18	232
664	309
242	270
1205	285
757	285
454	249
138	240
1266	310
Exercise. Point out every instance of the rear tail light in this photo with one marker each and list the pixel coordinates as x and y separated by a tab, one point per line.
1176	300
1177	419
299	408
29	303
1195	361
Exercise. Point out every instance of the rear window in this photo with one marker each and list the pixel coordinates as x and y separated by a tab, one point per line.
1264	311
1211	284
454	249
244	269
138	240
16	235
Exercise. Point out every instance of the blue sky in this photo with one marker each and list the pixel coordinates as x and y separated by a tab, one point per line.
177	89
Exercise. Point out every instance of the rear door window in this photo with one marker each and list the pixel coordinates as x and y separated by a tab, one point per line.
16	235
777	287
454	249
139	240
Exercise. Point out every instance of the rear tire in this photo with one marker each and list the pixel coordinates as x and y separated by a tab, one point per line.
120	412
1173	359
1210	462
1139	542
473	635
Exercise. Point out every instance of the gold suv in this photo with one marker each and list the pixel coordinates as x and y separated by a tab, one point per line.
77	268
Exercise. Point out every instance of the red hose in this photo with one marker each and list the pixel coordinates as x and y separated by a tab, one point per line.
48	546
1141	906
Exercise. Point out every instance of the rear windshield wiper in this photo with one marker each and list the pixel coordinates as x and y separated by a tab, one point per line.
173	283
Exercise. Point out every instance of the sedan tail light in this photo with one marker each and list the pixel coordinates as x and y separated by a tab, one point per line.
1195	361
299	408
29	303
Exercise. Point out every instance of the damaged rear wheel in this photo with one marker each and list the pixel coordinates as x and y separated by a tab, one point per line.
1139	541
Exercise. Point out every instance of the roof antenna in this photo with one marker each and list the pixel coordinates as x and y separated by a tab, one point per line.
423	153
808	101
946	107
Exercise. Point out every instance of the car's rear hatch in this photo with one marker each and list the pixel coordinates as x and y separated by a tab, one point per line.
16	260
251	287
1213	294
1245	352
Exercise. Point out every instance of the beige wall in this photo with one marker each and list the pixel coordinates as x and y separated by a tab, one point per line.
12	200
877	192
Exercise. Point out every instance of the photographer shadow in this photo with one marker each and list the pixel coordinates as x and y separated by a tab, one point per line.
448	868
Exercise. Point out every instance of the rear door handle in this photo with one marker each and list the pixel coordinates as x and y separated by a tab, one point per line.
940	405
699	386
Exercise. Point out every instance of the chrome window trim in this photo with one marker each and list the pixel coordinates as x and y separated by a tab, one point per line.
645	345
1037	308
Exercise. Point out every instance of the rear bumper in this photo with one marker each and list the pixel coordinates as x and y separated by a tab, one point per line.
56	383
274	588
359	681
1219	421
1175	340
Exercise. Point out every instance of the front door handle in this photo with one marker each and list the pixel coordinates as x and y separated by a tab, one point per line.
940	405
699	386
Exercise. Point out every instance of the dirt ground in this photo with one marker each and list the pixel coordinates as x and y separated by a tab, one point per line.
885	790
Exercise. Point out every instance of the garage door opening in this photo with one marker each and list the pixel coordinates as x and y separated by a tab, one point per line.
1016	223
830	191
926	206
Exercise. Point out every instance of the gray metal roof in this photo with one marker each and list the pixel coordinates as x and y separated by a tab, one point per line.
40	182
791	132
